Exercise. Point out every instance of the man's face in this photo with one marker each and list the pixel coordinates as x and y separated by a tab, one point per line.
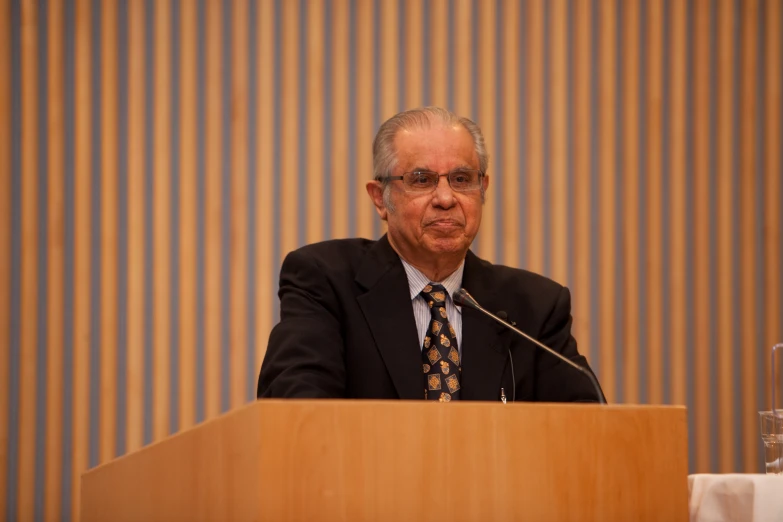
443	222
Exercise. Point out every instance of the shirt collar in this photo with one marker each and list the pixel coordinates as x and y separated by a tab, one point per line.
417	280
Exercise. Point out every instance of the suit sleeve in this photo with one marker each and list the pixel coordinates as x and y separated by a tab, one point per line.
304	357
556	381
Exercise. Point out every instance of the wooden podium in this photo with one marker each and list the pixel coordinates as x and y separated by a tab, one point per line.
395	460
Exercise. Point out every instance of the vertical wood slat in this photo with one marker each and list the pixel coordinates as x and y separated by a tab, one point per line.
109	239
510	134
436	34
5	240
630	170
161	201
677	180
558	140
655	202
265	175
56	203
135	261
581	286
289	97
747	237
82	265
188	213
213	208
702	291
239	203
463	49
338	126
390	60
414	50
606	240
486	119
314	155
725	216
28	327
773	239
534	135
365	85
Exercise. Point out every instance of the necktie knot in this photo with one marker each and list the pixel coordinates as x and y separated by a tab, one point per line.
434	294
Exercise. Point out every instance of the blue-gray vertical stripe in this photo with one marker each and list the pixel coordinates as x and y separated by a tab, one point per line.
690	312
174	214
522	137
352	174
426	55
252	212
666	259
595	230
14	364
498	207
402	76
277	169
642	207
546	130
122	229
376	87
226	72
619	202
569	80
474	72
96	226
200	209
736	312
303	142
759	213
149	193
328	173
712	234
450	56
69	132
41	301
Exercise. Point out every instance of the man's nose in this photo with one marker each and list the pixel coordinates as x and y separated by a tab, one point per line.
443	196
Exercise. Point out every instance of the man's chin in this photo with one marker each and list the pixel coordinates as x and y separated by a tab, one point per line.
446	245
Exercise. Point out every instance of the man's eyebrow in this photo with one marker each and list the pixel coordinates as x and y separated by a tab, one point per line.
463	166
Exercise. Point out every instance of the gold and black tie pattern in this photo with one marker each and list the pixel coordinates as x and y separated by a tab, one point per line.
440	353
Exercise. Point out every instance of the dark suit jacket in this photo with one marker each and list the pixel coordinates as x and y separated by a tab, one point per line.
347	330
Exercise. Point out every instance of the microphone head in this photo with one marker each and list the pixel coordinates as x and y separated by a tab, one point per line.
463	298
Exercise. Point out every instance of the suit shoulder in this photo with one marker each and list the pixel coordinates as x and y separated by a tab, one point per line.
333	253
520	279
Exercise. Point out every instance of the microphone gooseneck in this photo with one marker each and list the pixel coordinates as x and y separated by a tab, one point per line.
463	298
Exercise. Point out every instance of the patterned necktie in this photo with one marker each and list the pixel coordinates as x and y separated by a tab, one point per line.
440	353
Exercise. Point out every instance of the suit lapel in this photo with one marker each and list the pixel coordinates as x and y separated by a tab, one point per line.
484	356
387	308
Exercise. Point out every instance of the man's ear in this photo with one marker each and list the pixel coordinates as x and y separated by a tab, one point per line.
375	191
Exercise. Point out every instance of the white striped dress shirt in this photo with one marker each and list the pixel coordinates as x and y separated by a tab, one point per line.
421	311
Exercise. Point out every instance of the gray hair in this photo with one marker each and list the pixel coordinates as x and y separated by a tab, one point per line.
384	156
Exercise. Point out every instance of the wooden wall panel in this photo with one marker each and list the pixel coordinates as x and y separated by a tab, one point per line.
635	157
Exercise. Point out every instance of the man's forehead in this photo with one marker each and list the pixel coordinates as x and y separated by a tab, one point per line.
422	146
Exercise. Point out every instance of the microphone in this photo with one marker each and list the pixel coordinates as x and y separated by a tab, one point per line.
504	316
463	298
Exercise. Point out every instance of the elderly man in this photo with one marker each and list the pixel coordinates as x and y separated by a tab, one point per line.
376	319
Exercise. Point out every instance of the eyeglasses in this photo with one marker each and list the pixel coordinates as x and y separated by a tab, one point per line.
425	181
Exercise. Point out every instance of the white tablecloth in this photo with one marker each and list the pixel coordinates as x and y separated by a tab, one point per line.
735	497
